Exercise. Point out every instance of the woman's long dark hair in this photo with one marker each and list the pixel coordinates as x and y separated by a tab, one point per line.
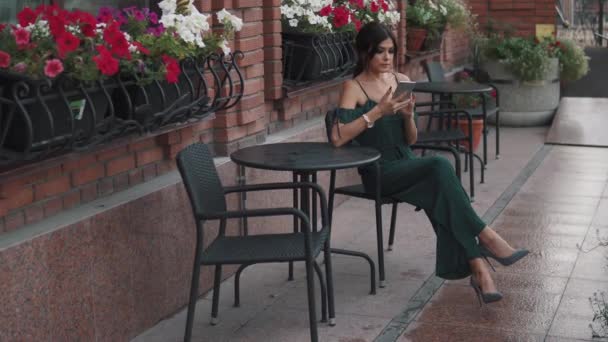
367	41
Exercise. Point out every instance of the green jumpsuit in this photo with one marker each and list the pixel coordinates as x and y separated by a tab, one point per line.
429	183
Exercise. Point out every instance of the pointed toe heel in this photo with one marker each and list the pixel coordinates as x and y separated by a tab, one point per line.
485	297
506	261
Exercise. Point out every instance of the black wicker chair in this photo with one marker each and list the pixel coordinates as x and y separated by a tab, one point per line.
436	73
207	198
357	190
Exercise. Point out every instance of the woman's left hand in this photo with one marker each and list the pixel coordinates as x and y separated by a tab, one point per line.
408	110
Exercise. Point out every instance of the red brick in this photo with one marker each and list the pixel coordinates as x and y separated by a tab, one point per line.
105	186
18	198
203	125
187	135
256	127
165	167
274	93
272	13
142	144
71	199
149	156
33	213
273	53
273	67
250	30
88	192
87	175
249	44
291	107
272	3
78	163
203	5
251	101
253	71
229	134
149	172
118	165
53	206
253	86
170	138
272	39
272	26
251	58
219	4
14	220
247	3
135	177
252	14
51	187
225	120
251	115
121	181
206	137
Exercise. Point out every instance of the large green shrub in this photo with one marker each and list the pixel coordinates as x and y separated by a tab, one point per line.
526	58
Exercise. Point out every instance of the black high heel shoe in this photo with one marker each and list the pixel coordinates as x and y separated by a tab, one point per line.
487	297
506	261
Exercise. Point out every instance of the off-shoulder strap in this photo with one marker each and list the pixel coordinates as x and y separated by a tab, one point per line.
360	86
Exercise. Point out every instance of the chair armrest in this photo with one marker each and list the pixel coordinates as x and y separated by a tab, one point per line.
446	111
278	186
432	147
434	103
265	212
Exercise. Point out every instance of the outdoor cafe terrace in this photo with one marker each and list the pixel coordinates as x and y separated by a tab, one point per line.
97	235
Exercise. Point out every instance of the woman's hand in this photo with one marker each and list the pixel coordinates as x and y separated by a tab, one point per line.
389	105
408	110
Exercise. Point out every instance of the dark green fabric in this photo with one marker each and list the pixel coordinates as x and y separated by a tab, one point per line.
429	183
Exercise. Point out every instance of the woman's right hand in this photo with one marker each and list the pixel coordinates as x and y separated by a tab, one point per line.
389	105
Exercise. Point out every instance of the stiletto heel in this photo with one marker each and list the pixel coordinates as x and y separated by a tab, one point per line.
488	297
489	263
506	261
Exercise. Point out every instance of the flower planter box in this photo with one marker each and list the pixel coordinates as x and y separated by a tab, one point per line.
310	56
41	115
524	103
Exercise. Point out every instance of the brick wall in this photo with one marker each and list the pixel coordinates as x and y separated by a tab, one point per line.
522	14
32	192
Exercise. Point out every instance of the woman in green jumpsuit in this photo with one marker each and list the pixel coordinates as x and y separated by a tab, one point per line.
370	115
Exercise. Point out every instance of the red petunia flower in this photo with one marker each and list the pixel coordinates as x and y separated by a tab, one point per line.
141	48
67	42
355	21
325	11
374	7
173	70
26	17
341	15
107	64
357	3
22	37
5	59
53	67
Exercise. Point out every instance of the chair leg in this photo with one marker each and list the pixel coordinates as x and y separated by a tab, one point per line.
312	316
380	243
323	291
485	141
330	285
391	237
193	297
237	286
483	167
216	294
330	203
497	135
471	174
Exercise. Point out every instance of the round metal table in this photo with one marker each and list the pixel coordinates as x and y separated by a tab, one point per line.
304	160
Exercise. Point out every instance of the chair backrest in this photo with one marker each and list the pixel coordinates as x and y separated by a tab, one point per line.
434	71
204	187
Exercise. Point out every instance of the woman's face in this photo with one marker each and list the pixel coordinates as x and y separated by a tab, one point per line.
382	60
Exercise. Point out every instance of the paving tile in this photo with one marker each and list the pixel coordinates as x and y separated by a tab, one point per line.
428	332
575	313
592	265
601	216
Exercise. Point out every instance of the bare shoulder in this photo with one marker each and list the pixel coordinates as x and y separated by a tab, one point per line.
351	94
402	77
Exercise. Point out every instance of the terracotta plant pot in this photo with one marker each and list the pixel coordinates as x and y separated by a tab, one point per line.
415	38
477	131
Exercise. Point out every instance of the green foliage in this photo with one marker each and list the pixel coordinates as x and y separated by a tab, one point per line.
599	325
573	62
526	58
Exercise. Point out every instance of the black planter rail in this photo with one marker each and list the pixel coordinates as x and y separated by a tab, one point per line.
310	57
39	118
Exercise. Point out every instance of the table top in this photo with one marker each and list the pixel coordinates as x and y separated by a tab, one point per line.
451	87
304	156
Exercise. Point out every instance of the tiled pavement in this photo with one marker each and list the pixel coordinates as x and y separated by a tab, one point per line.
562	204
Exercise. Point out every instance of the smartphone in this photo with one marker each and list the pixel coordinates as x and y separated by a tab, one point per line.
404	87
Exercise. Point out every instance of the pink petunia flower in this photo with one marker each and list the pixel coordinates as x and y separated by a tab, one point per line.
20	67
53	67
5	59
22	36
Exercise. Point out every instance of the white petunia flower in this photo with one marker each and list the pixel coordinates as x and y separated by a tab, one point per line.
293	22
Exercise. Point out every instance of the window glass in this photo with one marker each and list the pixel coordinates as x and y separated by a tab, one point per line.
92	6
10	8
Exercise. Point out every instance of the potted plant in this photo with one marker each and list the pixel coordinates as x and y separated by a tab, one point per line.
422	21
318	36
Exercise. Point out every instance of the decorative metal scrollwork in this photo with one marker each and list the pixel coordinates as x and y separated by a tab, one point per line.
41	118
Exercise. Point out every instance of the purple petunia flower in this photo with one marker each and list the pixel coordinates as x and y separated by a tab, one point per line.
153	18
138	15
